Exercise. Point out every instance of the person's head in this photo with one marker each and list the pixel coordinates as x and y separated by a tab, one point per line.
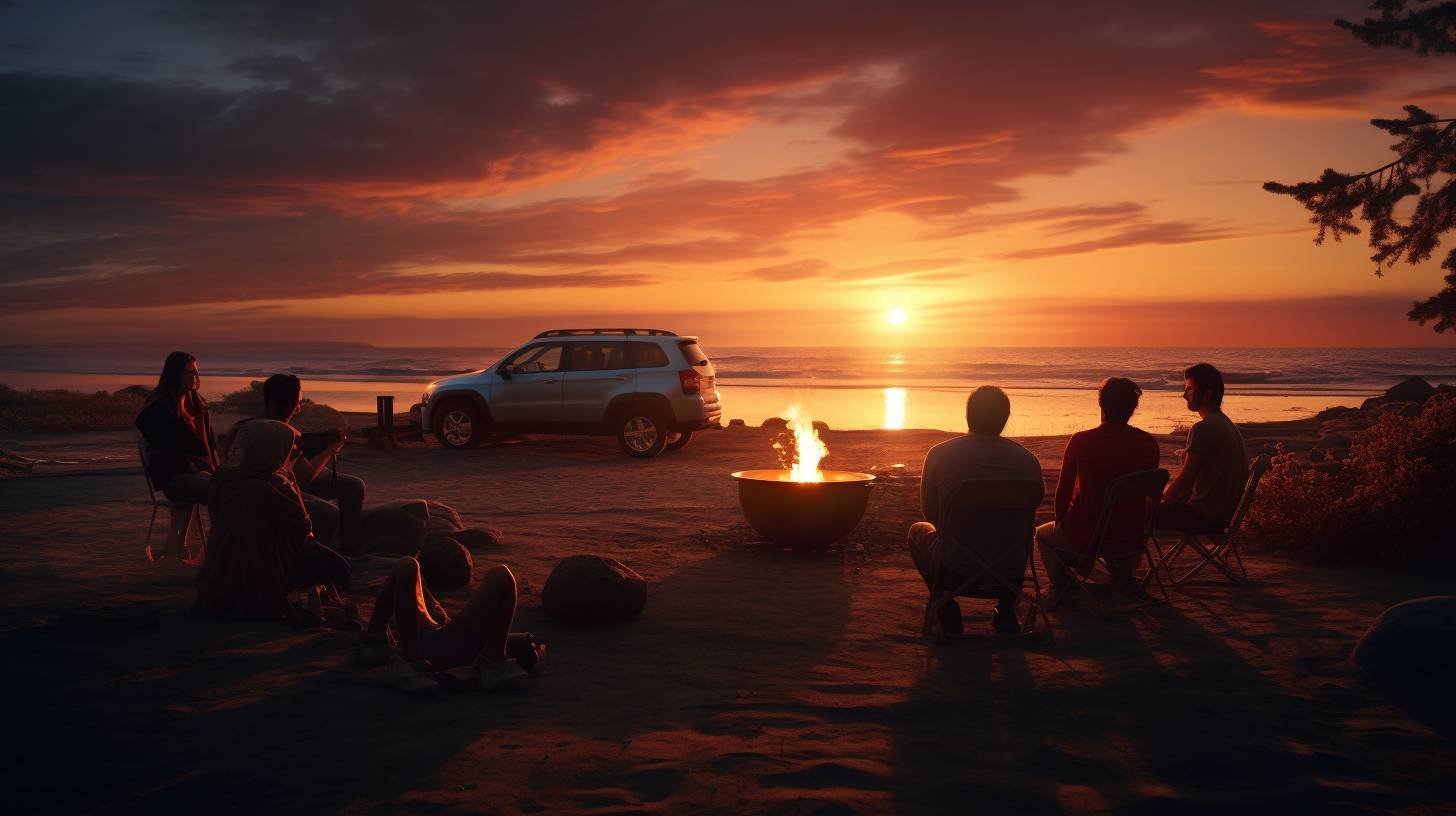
1118	398
987	410
281	396
263	446
179	375
1203	387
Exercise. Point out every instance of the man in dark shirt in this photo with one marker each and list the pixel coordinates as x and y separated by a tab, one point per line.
282	398
1093	459
1204	496
980	454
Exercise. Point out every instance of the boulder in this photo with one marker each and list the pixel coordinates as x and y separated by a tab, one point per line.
590	589
775	422
444	519
313	418
820	425
477	538
1412	643
407	522
1336	412
737	423
1410	389
444	563
1373	402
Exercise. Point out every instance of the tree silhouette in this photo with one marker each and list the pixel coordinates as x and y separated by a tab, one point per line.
1425	158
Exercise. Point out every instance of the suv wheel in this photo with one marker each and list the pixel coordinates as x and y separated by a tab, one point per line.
641	435
679	440
459	425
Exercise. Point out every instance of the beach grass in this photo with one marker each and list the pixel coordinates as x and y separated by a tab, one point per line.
59	411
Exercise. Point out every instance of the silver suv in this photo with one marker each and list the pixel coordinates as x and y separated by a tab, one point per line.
648	387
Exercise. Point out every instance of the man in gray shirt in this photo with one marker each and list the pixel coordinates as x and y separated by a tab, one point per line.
1204	496
981	454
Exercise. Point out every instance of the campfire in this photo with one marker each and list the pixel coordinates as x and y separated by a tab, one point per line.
800	506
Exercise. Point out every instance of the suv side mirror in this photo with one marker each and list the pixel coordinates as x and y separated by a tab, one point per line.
505	371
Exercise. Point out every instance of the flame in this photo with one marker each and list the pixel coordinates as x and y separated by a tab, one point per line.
807	447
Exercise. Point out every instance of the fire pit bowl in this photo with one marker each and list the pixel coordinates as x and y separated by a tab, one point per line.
803	515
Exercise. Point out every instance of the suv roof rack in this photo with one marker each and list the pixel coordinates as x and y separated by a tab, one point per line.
579	332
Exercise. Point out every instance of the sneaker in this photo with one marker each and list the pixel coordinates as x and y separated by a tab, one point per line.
950	619
371	652
406	677
501	675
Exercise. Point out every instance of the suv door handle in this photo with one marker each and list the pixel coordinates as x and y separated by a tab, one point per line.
548	382
620	378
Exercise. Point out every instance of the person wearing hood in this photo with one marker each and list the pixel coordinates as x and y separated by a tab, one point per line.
261	546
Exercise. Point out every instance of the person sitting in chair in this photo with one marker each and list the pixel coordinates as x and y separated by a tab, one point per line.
1206	493
282	399
982	453
179	452
261	546
1093	459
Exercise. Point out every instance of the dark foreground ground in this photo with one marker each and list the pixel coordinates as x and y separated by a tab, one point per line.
755	682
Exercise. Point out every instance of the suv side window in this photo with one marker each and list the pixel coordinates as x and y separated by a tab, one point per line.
647	355
598	356
533	359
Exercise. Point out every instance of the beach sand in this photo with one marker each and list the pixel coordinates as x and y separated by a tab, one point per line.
756	681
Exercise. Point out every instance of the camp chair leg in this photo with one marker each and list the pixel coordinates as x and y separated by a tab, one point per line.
1214	558
151	525
1239	559
194	518
1164	561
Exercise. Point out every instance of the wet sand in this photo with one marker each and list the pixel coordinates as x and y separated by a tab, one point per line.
756	681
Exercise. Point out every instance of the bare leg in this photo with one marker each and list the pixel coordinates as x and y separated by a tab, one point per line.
490	611
180	522
402	599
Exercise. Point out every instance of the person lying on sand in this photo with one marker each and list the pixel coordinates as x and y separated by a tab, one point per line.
1203	497
261	546
1093	459
981	454
468	650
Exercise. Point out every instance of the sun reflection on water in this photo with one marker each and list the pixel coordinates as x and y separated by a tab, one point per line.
894	409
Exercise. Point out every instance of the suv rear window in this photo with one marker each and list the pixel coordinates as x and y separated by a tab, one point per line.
646	355
693	352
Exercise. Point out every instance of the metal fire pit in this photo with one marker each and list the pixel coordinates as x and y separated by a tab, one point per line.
803	515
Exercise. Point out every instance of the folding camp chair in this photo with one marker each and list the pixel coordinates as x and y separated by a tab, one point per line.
194	516
1145	485
1217	550
986	546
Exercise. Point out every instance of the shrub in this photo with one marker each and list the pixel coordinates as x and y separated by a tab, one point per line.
65	411
242	401
1387	502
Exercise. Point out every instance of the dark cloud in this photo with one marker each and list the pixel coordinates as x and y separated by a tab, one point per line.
344	141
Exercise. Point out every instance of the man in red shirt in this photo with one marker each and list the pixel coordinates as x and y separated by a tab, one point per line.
1092	460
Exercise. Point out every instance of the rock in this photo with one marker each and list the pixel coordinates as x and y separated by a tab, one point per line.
590	589
1373	402
820	425
775	422
1336	412
408	522
1411	409
444	519
1412	643
445	563
1411	389
737	423
477	538
313	418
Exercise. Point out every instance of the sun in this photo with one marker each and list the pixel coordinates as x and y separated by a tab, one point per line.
896	317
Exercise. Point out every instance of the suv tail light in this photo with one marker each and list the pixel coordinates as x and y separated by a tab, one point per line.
691	381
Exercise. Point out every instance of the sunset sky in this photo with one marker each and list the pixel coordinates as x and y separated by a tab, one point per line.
766	174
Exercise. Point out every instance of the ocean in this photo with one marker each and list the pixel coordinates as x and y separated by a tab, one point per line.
1052	389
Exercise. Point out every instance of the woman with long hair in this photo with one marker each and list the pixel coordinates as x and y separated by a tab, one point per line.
179	451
